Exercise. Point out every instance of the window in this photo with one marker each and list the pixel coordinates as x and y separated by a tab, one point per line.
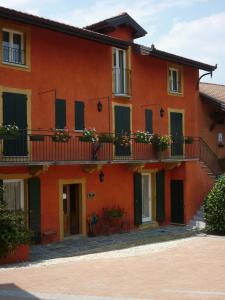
175	80
14	194
121	74
148	120
79	115
60	114
13	47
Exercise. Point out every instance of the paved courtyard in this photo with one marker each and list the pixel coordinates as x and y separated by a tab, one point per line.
191	268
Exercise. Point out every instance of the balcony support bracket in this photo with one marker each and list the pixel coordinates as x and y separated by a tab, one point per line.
171	166
91	168
37	169
136	167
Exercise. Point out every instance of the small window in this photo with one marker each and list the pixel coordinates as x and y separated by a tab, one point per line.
60	114
13	51
79	115
13	194
175	80
148	120
121	73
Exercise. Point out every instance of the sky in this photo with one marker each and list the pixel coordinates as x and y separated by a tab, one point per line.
191	28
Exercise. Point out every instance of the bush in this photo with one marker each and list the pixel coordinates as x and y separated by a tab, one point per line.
214	208
13	230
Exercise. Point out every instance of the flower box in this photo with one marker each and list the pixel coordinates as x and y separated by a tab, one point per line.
19	255
37	137
8	137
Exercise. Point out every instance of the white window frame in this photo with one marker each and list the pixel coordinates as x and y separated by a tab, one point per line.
11	32
117	69
178	83
21	190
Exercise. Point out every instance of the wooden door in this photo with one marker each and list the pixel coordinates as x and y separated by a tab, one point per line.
177	201
176	131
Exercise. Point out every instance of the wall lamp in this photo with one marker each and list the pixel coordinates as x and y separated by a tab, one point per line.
161	112
101	176
99	106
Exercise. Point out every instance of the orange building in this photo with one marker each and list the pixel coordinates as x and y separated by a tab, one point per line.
54	76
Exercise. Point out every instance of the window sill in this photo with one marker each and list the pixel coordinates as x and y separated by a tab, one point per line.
122	95
174	93
15	65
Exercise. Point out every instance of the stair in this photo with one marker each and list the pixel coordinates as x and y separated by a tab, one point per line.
207	170
197	222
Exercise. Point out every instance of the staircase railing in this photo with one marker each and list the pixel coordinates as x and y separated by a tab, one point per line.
210	158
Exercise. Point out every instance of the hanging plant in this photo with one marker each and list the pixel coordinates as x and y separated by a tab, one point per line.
161	143
123	140
9	131
143	137
188	140
106	138
89	135
61	135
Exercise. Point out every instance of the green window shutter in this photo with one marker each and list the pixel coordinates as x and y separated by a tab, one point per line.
79	115
1	190
137	199
34	200
60	114
148	120
160	196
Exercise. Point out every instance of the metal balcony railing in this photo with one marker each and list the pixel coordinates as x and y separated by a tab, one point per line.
122	81
13	55
38	147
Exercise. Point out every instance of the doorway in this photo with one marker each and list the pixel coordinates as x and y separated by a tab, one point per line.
176	131
71	198
177	201
146	198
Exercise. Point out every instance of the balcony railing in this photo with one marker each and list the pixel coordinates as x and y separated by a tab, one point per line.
13	55
122	81
38	147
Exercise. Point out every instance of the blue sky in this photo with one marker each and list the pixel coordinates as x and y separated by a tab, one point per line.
191	28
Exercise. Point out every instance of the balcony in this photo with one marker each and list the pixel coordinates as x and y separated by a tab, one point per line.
40	147
122	82
13	56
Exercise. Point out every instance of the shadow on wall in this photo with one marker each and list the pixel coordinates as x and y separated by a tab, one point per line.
12	291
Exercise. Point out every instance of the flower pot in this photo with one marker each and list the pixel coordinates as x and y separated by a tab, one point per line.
19	255
60	140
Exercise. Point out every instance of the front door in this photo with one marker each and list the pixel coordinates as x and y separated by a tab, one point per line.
146	198
15	112
71	209
177	201
176	131
122	126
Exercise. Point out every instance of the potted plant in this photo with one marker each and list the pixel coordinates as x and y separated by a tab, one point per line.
14	235
89	135
10	131
61	135
188	140
92	221
143	137
161	143
106	138
37	137
123	139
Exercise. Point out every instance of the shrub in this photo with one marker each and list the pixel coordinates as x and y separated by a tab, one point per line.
214	207
13	230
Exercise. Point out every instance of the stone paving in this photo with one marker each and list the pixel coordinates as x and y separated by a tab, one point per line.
82	245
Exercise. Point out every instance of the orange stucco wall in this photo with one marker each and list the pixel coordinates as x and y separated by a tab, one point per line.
82	70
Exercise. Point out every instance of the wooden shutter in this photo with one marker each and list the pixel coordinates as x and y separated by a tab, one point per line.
79	115
34	207
60	114
160	196
137	199
148	120
1	190
177	201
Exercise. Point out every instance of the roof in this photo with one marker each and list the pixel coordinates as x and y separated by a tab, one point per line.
110	24
213	93
88	34
152	51
60	27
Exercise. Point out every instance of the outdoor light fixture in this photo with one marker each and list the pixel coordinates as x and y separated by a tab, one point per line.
161	112
101	176
99	106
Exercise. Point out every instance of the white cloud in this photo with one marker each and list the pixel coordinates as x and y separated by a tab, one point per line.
202	39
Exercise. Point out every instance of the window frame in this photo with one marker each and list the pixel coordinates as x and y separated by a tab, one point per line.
179	80
21	181
23	46
117	69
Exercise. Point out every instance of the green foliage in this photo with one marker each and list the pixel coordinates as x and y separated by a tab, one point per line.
106	138
143	137
161	142
189	140
13	230
214	208
113	212
10	129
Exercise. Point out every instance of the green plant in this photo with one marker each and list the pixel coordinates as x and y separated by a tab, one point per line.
114	212
14	231
106	138
89	135
61	135
10	129
143	137
123	139
189	140
214	207
161	143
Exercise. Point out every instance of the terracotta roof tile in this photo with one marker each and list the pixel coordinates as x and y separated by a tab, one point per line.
215	91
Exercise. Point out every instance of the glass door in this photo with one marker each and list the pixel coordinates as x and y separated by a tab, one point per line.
146	198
